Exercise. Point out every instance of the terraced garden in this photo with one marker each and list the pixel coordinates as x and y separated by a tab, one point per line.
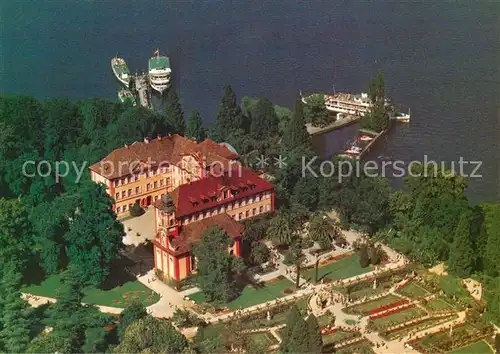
413	291
397	318
365	307
438	305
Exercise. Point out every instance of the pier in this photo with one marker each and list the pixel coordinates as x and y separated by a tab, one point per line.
143	90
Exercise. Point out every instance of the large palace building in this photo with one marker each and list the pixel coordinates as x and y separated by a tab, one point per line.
183	215
145	171
193	187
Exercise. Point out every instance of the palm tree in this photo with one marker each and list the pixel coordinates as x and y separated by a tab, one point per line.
280	229
321	228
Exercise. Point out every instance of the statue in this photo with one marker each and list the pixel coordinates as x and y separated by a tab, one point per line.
375	284
268	315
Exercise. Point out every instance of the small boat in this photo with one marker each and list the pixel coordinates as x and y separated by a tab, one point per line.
354	150
125	96
121	71
365	138
401	117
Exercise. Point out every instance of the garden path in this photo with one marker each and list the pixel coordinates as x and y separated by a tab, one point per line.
36	301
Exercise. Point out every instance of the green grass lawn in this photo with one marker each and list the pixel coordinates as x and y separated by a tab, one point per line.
438	305
338	337
119	296
263	339
399	317
366	307
345	268
253	296
323	320
480	347
413	291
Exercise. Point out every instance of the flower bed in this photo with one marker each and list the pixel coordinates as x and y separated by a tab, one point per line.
402	284
326	330
388	306
391	312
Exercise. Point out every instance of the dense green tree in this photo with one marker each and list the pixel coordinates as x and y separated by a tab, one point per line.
95	236
132	313
195	128
229	117
260	253
15	334
174	113
293	316
321	229
16	236
492	225
264	120
281	229
462	259
315	342
315	111
215	266
377	118
305	192
151	335
295	134
53	342
376	89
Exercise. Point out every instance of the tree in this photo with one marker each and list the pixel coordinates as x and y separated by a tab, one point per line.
149	334
66	314
95	236
215	266
264	121
377	118
292	317
321	229
15	231
52	342
174	113
280	229
296	134
461	261
132	313
136	209
195	128
497	343
315	111
15	334
364	258
315	342
229	116
305	192
492	225
260	253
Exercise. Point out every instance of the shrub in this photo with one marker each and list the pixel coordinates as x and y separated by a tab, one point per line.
136	210
324	244
185	318
340	241
374	256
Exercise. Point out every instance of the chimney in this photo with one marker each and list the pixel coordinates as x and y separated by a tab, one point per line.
126	146
158	137
146	140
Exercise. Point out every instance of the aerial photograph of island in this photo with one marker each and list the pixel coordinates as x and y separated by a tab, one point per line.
217	176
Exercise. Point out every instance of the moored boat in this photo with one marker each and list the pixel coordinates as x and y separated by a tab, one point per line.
125	96
365	138
120	70
159	72
354	150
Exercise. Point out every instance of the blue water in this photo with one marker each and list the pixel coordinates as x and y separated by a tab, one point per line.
439	58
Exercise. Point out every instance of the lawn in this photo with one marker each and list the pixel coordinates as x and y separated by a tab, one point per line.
119	296
262	339
438	305
480	347
366	307
324	320
253	295
399	317
338	336
413	291
345	268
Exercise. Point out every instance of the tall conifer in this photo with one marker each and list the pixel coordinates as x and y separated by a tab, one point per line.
174	113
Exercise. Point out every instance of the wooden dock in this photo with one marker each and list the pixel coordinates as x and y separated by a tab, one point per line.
143	90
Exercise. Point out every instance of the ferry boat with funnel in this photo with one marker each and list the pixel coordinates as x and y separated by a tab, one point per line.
120	70
126	96
159	72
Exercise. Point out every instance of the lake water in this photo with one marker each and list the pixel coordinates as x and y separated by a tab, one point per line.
439	58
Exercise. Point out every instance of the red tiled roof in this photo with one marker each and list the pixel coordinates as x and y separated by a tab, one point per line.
168	149
191	233
185	195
